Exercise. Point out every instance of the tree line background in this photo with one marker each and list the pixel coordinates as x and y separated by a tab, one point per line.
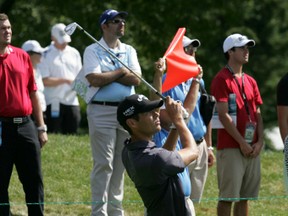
152	24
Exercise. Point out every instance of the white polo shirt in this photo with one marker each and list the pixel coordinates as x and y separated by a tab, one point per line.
61	64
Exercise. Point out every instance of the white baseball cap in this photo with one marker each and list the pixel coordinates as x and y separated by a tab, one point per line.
237	40
60	35
32	45
187	41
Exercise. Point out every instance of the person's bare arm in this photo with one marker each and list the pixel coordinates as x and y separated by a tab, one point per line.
129	78
192	95
105	78
55	81
38	116
189	152
159	68
208	139
257	147
121	75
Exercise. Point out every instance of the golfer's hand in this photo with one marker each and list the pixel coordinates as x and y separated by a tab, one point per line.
174	110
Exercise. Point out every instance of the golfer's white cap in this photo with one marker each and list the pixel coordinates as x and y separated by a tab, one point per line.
32	46
59	34
237	40
187	41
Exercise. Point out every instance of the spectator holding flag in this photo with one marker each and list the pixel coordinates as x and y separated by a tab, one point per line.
188	93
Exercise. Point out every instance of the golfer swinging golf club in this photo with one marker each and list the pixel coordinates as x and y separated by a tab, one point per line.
154	170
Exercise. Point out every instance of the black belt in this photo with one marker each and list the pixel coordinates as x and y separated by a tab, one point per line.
15	120
105	103
199	140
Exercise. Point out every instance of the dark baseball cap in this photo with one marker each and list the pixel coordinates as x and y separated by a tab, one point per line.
110	14
135	104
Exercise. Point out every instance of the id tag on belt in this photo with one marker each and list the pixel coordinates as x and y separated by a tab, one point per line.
55	109
250	131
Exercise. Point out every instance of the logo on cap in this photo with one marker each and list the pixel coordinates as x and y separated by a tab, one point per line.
141	97
130	111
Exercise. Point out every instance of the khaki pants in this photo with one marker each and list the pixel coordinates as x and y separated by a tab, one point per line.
107	177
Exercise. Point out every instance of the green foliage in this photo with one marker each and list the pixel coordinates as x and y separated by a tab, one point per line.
67	163
152	24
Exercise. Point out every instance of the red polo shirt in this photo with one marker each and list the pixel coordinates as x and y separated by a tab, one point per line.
16	83
224	84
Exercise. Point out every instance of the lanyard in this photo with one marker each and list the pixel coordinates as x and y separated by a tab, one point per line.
241	90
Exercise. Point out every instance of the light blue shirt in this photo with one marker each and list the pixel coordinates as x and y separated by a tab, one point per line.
98	60
159	139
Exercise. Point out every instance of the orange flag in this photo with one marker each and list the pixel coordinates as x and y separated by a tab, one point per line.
180	66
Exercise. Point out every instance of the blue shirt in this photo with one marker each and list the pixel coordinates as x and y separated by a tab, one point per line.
160	139
98	60
195	124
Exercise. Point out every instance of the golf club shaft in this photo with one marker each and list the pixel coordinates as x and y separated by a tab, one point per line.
112	54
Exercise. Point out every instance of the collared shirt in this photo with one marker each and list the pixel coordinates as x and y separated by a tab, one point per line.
98	60
224	84
16	83
61	64
154	173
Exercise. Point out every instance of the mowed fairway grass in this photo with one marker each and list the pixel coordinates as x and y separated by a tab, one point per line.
67	162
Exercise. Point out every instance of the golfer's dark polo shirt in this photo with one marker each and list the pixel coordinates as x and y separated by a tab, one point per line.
154	173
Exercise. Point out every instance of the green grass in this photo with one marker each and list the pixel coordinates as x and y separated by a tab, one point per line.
67	162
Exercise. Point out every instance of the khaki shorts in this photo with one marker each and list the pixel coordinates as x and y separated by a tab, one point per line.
238	177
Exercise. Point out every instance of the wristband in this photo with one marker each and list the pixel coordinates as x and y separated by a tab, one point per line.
42	128
210	148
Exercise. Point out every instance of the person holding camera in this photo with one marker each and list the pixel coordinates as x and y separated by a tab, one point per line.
188	93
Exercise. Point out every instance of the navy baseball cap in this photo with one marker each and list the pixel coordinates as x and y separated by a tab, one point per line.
110	14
